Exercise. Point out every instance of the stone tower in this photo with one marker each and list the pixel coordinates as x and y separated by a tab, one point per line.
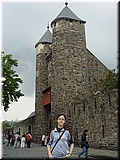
65	71
43	49
69	61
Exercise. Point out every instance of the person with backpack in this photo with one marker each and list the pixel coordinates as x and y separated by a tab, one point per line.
28	139
84	144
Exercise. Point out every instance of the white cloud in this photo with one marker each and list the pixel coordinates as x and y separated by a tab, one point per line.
19	110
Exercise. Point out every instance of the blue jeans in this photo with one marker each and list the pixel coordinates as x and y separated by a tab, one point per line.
84	150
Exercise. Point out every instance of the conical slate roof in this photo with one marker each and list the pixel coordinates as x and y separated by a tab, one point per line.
46	38
66	13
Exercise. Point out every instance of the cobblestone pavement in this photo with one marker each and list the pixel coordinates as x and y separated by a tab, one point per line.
38	152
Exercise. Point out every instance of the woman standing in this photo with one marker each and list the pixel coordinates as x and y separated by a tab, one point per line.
84	144
65	145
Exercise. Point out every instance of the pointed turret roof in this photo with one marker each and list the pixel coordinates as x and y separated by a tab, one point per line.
67	13
46	38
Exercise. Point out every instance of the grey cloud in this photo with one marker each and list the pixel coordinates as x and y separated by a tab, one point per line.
25	23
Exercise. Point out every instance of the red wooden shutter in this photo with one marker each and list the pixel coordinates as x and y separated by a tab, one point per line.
47	97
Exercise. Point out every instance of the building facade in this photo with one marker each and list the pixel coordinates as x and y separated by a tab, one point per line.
26	125
66	74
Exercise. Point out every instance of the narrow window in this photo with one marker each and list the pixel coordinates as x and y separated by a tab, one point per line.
95	103
29	129
109	99
83	106
103	131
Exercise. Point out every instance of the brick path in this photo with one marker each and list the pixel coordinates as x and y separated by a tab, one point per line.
38	152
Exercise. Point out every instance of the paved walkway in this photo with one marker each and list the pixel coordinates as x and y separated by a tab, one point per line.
38	152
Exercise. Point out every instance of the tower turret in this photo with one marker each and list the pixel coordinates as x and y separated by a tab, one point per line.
72	26
69	64
46	38
43	49
67	14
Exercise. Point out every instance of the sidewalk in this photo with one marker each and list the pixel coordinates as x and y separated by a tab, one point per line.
98	154
38	152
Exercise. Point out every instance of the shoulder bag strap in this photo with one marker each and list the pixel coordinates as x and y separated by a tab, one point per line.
57	141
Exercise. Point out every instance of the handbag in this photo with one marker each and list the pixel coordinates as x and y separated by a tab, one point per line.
87	145
46	156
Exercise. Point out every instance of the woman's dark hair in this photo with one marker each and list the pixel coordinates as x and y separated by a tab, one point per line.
86	130
61	115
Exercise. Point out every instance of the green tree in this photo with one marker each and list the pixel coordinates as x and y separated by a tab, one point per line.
6	126
109	82
10	88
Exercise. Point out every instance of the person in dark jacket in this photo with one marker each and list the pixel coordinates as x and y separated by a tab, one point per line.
8	138
84	144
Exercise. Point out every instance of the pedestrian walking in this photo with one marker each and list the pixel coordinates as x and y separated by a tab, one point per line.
60	142
23	140
12	139
3	137
16	136
8	138
28	139
19	139
43	139
84	144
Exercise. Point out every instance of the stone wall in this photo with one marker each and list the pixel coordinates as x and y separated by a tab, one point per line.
96	70
98	114
25	126
72	71
41	113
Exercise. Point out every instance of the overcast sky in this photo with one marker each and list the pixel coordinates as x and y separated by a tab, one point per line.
24	23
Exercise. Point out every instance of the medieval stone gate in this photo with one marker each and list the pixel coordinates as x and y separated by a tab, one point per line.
66	74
